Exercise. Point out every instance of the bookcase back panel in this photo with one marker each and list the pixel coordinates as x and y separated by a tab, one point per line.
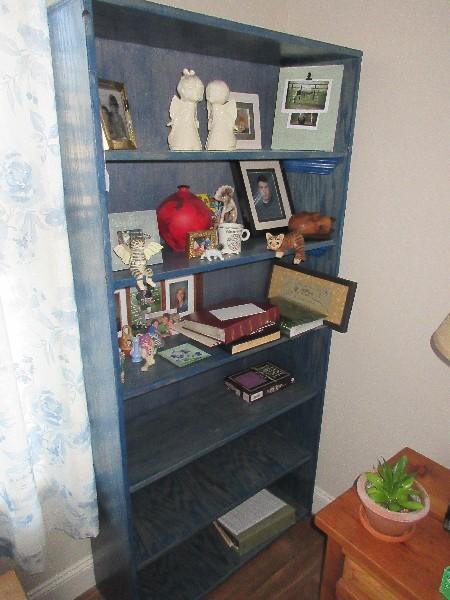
151	76
143	186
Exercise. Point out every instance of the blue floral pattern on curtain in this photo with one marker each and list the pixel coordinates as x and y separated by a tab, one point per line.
46	471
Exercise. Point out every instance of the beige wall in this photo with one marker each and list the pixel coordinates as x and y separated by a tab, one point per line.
386	388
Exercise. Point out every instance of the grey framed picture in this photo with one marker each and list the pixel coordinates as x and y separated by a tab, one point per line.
120	223
307	108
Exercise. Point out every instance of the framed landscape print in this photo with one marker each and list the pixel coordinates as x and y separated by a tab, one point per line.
307	108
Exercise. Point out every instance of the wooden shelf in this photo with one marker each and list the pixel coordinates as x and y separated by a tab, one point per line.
172	510
171	436
165	373
130	156
176	264
194	568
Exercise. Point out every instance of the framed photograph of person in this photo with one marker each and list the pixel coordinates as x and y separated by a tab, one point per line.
122	300
115	116
248	124
197	242
263	190
183	295
146	305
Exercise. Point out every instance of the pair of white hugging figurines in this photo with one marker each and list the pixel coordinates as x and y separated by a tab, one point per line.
183	115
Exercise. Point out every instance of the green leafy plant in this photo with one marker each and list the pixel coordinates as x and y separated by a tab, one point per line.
392	487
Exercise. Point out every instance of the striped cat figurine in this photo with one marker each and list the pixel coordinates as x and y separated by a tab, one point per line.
286	241
135	248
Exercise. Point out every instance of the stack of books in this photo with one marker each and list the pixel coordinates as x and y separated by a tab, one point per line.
297	318
255	522
236	324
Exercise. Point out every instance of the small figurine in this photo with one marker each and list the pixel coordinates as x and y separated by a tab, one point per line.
148	350
126	340
212	254
135	351
222	115
284	241
311	225
135	248
122	366
225	195
183	113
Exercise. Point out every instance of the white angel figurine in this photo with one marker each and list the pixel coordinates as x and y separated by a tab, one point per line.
222	115
183	113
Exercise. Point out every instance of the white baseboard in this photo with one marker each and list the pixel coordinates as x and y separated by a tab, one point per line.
320	500
68	584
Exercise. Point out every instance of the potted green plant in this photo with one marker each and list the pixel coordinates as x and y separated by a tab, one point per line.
393	500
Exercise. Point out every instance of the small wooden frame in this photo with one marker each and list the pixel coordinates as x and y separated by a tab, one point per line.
199	241
329	295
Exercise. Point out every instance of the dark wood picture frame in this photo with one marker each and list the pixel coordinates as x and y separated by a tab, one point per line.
326	294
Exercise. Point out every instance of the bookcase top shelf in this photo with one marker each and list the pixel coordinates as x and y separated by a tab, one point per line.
176	264
161	26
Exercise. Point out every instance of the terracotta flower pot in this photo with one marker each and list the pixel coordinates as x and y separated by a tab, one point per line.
388	522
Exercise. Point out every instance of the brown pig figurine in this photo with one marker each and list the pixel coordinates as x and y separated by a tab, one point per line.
312	225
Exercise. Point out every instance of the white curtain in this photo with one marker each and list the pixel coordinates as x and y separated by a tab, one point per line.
46	472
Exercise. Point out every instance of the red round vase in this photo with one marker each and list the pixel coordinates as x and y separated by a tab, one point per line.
179	213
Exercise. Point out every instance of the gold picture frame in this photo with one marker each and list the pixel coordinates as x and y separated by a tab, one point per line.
199	241
117	126
322	293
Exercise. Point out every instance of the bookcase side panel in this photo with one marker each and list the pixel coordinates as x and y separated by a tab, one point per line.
74	71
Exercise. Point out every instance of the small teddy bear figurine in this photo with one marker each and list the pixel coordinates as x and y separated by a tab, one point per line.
183	113
222	115
282	242
225	195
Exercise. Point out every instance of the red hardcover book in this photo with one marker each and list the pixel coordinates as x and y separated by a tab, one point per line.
228	330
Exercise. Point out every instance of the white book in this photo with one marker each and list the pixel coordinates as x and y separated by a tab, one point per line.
252	511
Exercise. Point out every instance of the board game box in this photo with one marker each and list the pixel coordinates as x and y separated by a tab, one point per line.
258	381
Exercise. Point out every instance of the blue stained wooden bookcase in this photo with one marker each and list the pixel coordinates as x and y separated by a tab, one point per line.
173	449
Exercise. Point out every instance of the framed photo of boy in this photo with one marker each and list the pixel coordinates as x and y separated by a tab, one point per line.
267	204
115	116
248	124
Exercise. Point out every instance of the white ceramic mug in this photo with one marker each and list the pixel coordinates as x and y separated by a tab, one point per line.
230	237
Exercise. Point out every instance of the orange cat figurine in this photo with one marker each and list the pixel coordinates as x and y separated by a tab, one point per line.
286	241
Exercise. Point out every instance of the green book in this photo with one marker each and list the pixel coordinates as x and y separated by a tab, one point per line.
256	521
296	318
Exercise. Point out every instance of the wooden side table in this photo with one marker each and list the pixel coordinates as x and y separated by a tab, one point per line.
10	588
360	567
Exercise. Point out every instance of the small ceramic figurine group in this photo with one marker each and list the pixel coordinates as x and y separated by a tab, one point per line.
184	124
